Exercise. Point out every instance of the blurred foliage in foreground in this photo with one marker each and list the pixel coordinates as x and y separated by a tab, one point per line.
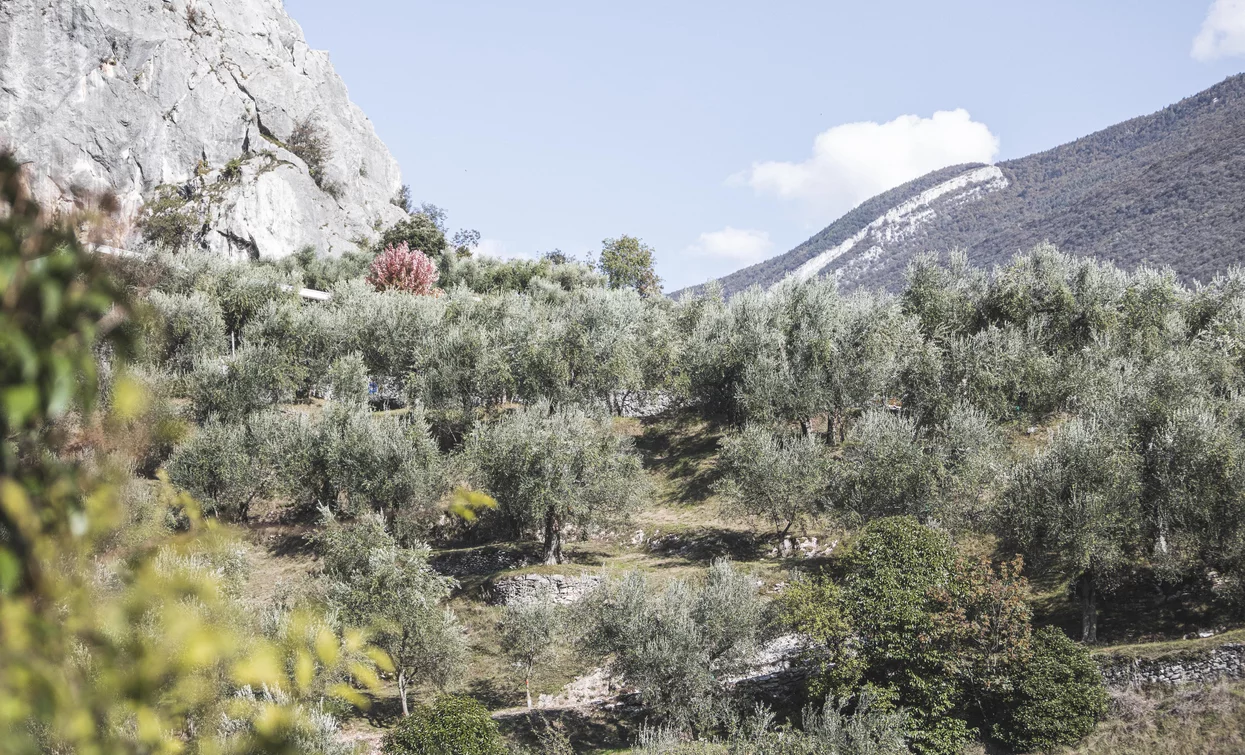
106	648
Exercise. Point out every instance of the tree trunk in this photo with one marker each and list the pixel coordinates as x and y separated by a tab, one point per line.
402	693
804	427
527	686
1089	609
553	539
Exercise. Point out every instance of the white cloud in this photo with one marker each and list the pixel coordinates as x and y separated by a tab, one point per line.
1223	31
734	245
855	161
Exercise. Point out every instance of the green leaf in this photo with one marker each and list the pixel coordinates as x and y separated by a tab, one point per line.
10	571
20	402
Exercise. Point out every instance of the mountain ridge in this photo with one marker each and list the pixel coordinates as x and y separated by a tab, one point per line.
1161	189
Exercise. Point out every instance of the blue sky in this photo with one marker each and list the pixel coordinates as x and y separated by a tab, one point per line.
716	131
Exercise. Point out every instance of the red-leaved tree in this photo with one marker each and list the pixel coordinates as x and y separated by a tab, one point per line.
404	269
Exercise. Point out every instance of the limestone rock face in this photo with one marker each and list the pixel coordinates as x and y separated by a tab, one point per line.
193	99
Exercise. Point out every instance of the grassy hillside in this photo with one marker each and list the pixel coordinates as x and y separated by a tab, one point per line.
683	532
1162	190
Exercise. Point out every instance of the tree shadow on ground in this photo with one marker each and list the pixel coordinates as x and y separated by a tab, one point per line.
587	729
383	711
489	694
1140	608
285	540
704	545
682	451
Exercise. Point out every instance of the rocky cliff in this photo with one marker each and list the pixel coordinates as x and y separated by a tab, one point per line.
194	102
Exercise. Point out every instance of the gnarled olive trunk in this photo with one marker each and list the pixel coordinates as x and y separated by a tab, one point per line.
553	538
1089	608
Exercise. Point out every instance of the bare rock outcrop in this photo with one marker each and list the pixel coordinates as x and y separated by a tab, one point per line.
195	102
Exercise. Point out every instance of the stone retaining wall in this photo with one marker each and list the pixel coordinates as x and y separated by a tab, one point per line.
477	561
562	589
1226	661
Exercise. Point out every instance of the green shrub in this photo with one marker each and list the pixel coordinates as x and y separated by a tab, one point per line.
451	726
925	631
420	232
1057	697
166	222
310	142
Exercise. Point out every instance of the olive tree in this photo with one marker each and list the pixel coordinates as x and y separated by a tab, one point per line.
863	365
529	631
184	329
679	644
305	338
352	462
373	581
255	378
789	378
886	469
778	477
471	361
585	348
555	470
1077	504
220	466
720	343
348	380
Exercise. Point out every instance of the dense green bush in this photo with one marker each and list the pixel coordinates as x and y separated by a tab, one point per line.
916	626
891	574
628	263
420	232
450	726
1057	697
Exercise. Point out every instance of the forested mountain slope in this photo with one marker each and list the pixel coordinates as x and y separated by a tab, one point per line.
1163	189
